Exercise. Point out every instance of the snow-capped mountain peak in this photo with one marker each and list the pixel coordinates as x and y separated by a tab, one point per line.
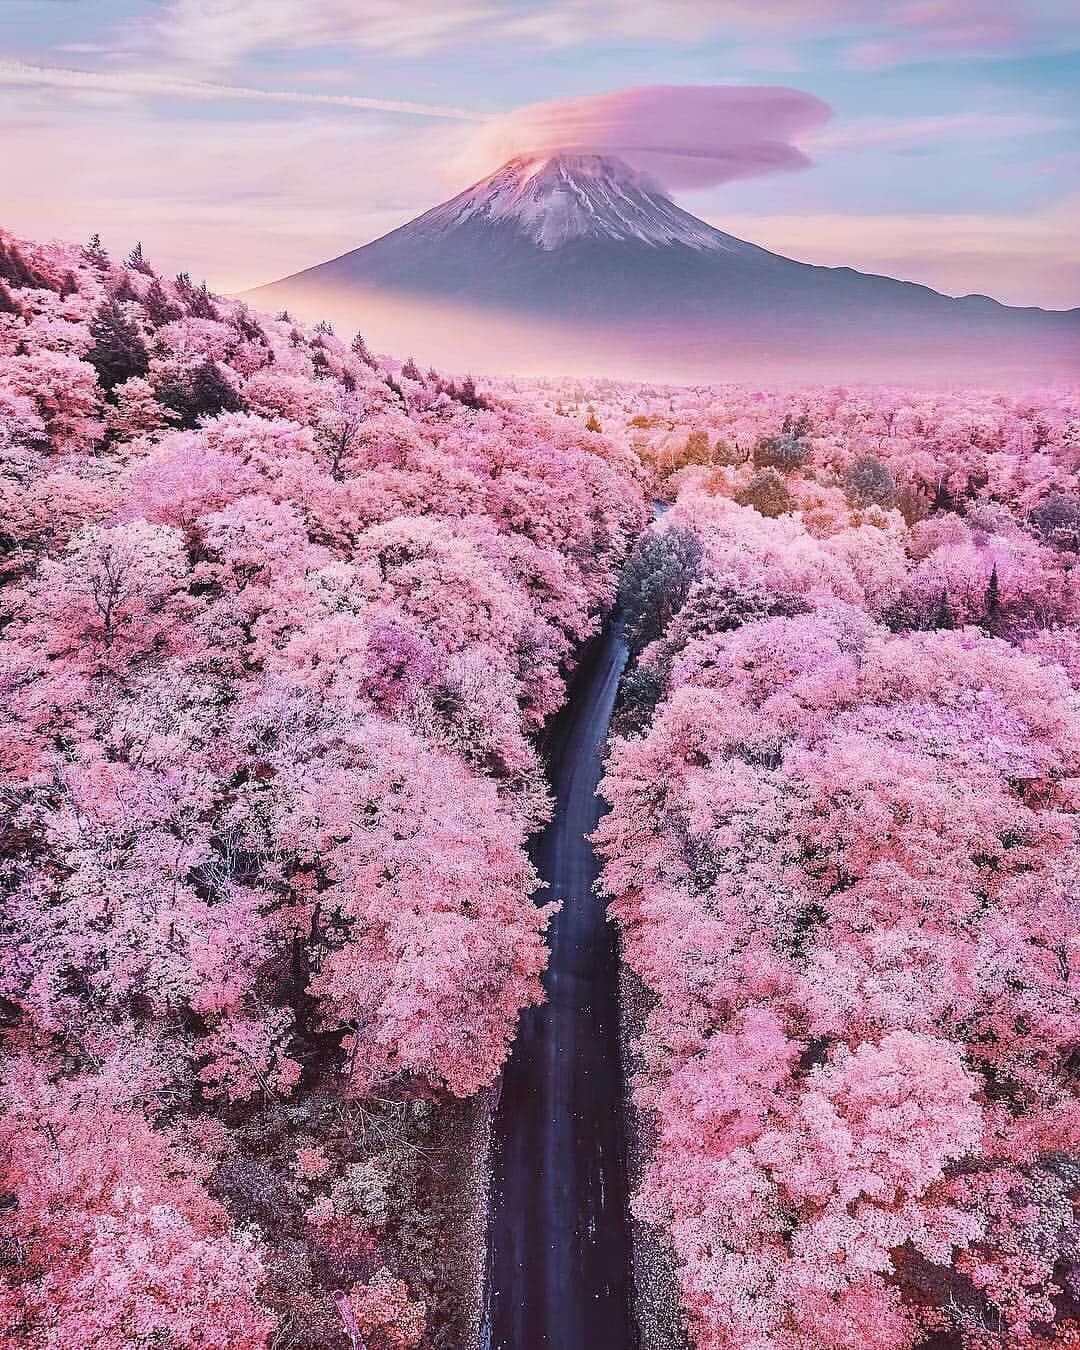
578	253
558	198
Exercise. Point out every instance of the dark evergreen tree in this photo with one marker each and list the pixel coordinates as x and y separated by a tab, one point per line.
943	497
411	371
94	252
202	306
944	618
202	392
136	261
17	272
656	582
993	604
360	350
640	690
118	352
195	299
470	398
245	323
211	392
797	427
160	310
68	286
124	290
172	392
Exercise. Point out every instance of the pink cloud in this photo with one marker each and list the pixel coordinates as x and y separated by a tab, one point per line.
973	23
686	136
926	28
874	133
212	35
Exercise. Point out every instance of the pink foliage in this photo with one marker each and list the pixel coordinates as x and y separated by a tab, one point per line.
843	858
119	1242
277	637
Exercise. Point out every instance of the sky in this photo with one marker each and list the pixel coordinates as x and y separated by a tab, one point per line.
240	140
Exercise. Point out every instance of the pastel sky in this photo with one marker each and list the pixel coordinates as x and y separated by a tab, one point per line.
935	140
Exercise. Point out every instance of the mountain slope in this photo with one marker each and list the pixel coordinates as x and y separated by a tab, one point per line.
584	241
551	202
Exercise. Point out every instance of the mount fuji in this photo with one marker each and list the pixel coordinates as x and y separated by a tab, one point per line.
578	262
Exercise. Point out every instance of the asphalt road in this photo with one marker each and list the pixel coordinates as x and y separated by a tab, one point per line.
559	1254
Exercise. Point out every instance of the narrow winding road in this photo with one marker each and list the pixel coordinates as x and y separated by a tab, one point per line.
559	1256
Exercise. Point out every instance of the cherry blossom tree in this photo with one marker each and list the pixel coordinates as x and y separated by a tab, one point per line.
836	853
277	645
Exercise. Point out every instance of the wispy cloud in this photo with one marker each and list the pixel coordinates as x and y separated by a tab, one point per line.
142	84
209	32
918	130
871	32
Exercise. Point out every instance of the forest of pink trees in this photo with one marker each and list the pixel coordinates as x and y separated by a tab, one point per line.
279	626
842	854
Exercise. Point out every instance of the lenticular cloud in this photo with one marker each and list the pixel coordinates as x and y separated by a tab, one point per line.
683	135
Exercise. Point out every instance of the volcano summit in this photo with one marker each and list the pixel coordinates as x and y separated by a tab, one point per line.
576	260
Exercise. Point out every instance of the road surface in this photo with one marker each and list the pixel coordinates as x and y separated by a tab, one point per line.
559	1256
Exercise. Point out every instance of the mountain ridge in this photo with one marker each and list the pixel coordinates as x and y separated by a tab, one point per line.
585	242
